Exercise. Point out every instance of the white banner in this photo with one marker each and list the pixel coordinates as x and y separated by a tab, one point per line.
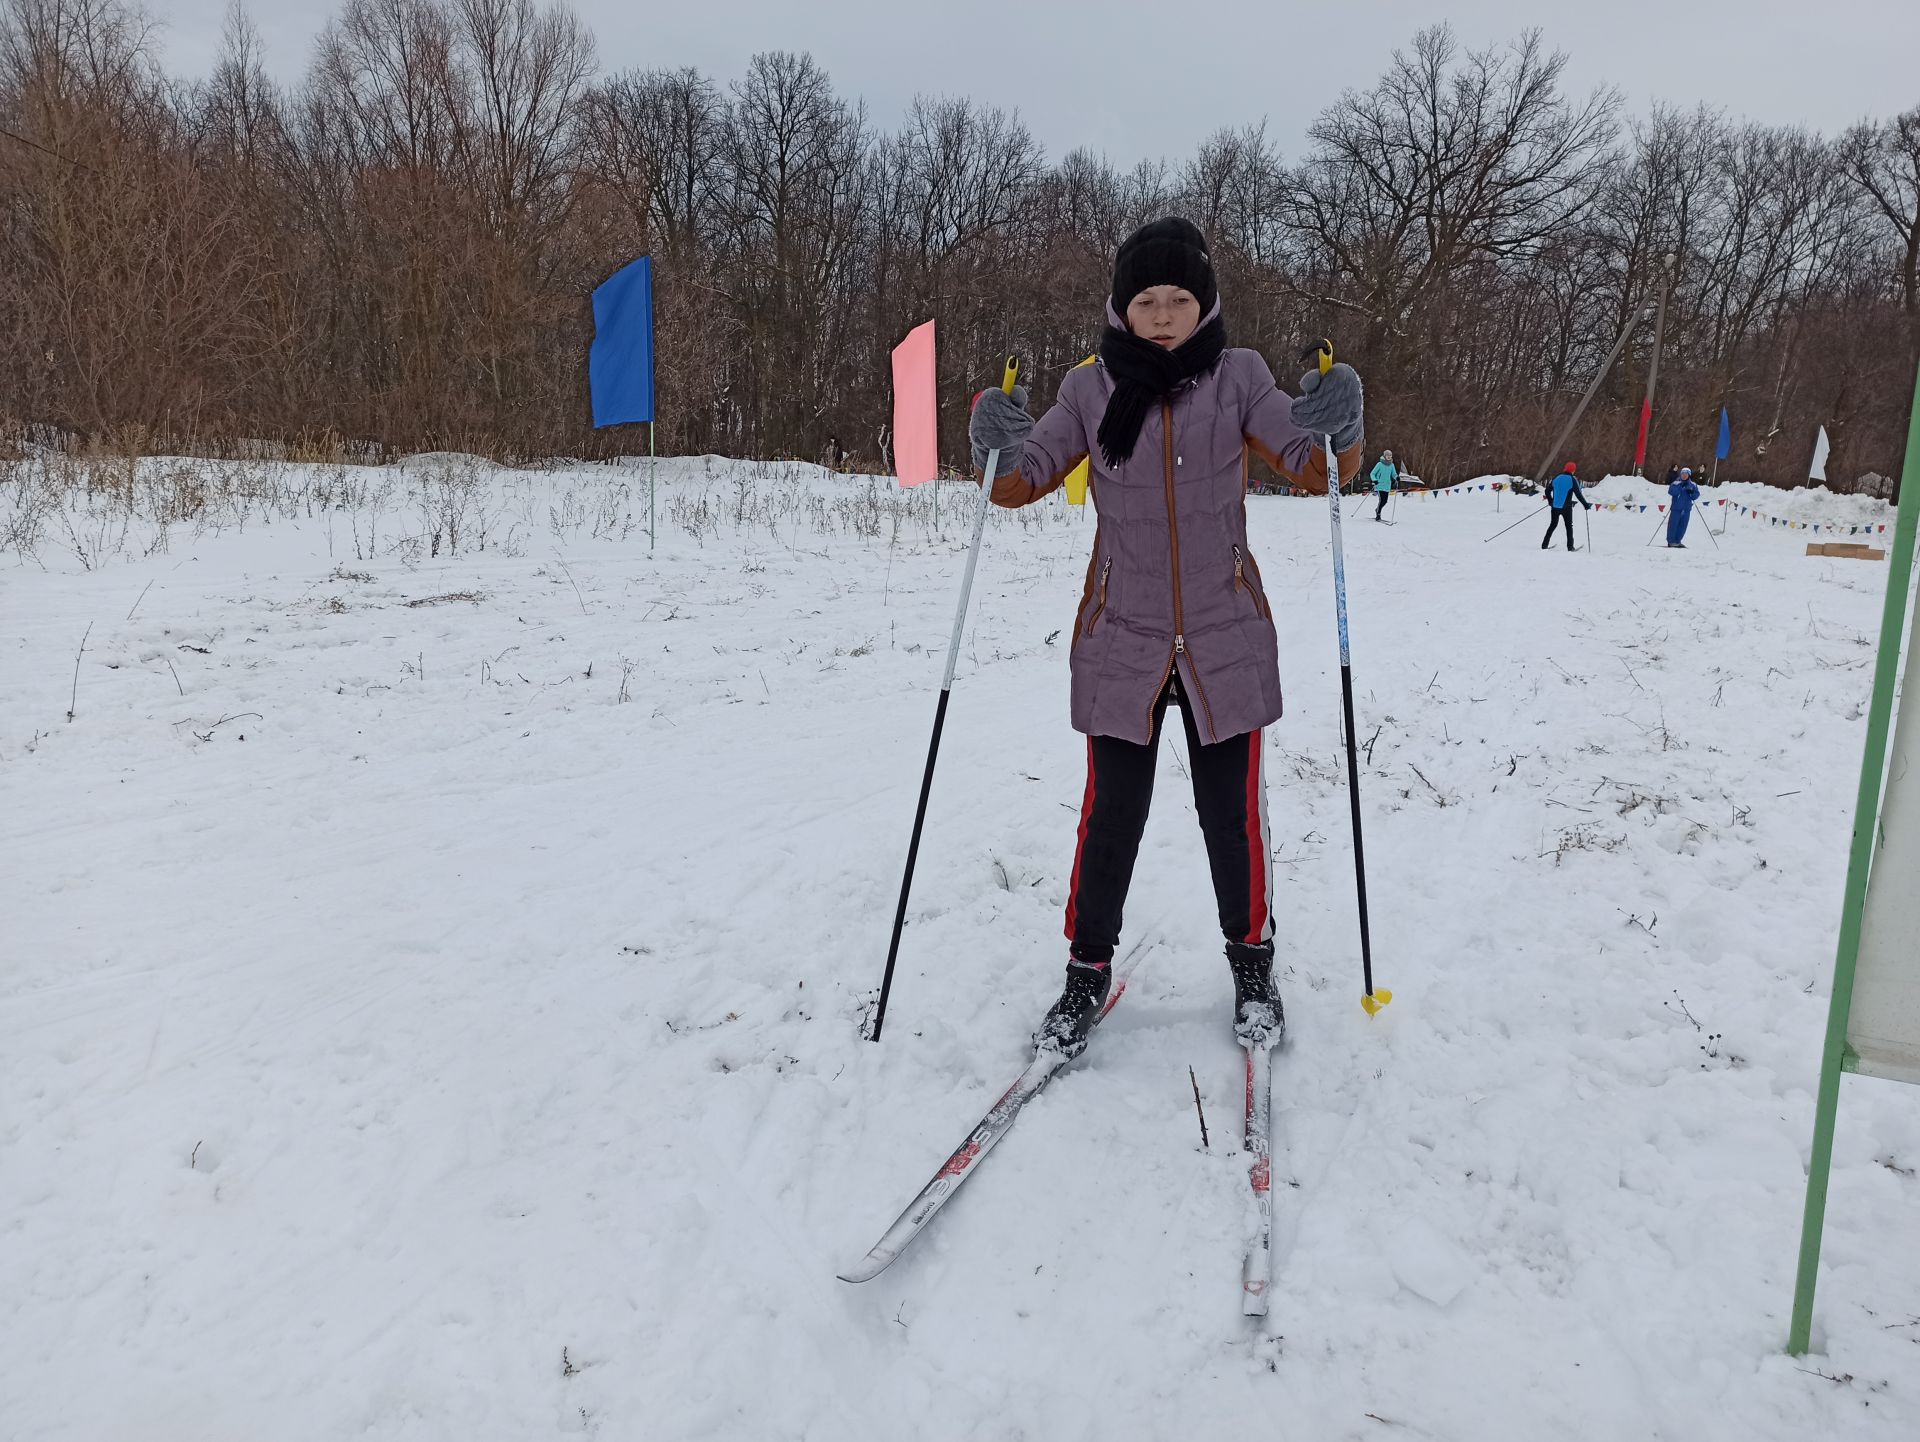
1818	470
1884	1025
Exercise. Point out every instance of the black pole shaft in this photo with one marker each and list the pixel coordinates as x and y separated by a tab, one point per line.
1007	378
1359	851
913	854
1521	522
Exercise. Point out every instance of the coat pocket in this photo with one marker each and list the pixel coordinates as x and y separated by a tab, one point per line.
1099	599
1246	577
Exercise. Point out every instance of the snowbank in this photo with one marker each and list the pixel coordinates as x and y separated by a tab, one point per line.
1810	505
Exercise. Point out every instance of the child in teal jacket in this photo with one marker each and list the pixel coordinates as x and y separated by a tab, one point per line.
1383	475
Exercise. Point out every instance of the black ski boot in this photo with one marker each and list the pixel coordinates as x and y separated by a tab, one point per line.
1072	1017
1258	1019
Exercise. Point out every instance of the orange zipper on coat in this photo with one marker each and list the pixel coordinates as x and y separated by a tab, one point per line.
1173	541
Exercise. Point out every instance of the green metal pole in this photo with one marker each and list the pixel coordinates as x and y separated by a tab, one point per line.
1866	815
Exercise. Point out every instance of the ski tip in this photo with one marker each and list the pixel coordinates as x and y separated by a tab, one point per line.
872	1264
1376	999
1253	1300
869	1266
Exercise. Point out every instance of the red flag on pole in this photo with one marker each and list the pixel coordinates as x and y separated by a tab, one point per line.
916	427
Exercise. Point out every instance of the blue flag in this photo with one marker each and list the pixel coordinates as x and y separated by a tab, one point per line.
620	365
1726	437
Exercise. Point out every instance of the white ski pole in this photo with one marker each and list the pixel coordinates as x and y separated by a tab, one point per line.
1370	998
1011	374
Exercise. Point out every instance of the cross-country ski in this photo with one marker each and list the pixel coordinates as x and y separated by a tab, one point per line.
1257	1134
982	1139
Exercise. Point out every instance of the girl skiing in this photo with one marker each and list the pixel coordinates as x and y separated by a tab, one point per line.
1383	475
1173	612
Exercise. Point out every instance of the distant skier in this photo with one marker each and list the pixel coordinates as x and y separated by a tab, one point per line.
1566	490
1173	611
1683	493
1383	475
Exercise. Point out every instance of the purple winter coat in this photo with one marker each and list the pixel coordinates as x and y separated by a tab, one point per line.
1172	581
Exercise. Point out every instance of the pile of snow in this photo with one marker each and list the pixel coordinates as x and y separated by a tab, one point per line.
1816	505
1811	505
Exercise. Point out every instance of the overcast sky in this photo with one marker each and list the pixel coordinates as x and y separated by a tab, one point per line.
1143	78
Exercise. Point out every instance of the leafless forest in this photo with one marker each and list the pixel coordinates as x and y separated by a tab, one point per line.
398	253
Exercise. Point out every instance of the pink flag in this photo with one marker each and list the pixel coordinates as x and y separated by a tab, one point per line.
916	428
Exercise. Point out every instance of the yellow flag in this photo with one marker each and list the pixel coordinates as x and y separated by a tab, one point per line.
1077	484
1078	476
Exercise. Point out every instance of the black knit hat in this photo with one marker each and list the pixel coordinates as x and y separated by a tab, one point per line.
1164	252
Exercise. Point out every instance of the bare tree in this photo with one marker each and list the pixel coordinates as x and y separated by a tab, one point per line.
1448	161
796	182
400	250
1884	161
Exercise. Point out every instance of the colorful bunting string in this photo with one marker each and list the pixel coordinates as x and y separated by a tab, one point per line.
1818	528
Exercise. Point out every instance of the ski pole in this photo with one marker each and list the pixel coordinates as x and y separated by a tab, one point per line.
1656	529
1708	523
1589	530
1370	999
1521	522
1007	379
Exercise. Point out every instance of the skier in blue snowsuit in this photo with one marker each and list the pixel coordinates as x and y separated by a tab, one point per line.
1383	475
1684	493
1566	490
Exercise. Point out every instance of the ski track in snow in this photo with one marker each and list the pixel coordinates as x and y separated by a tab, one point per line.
462	1013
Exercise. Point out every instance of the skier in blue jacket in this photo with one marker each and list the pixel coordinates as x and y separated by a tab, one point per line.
1566	490
1684	493
1383	475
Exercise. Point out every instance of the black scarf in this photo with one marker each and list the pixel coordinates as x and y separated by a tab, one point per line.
1144	374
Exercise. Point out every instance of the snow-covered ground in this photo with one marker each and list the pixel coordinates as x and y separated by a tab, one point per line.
431	986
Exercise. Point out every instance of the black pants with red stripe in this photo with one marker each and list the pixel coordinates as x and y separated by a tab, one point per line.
1229	792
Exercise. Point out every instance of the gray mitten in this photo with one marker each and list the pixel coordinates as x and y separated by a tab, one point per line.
1000	423
1331	404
